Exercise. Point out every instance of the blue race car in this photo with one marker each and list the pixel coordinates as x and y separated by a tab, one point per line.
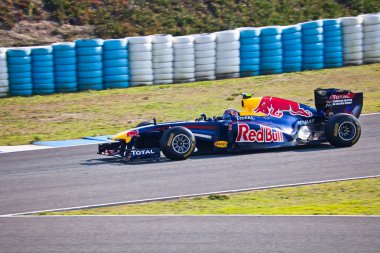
262	123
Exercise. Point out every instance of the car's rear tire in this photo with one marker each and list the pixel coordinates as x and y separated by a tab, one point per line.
177	143
342	130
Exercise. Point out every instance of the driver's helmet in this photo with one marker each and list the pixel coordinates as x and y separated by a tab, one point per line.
230	114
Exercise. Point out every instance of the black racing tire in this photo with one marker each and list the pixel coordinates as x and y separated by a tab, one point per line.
144	142
342	130
177	143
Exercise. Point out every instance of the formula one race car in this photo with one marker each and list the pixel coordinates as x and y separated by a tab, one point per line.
263	122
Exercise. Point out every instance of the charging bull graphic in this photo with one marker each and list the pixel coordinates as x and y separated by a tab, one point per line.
276	106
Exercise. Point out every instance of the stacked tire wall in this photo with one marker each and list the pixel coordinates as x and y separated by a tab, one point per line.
4	84
95	64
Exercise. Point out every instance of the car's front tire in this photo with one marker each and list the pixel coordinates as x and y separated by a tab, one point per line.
177	143
342	130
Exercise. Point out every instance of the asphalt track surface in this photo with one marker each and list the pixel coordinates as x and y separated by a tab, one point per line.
76	176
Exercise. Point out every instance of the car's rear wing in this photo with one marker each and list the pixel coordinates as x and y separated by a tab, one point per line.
333	101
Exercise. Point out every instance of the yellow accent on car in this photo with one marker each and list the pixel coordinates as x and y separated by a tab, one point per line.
221	144
249	105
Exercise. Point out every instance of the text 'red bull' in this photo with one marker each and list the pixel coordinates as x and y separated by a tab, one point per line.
265	134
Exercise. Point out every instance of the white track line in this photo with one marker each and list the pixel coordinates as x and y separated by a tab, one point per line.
186	196
193	215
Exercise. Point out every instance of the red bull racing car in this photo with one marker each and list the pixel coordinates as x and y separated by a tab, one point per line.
262	123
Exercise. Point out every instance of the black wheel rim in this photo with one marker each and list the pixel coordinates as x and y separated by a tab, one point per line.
181	143
347	131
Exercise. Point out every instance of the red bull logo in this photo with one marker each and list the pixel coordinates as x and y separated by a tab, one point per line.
276	106
265	134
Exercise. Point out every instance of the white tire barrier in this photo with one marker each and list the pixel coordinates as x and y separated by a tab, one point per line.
227	53
371	38
184	59
352	37
4	84
140	58
205	52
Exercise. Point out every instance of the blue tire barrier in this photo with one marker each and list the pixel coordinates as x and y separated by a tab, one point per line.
291	67
312	66
65	61
89	58
42	69
115	44
66	87
43	81
90	87
333	65
270	39
18	52
270	65
310	32
291	42
250	61
268	53
334	60
116	71
271	59
116	78
250	33
337	44
26	81
247	73
44	86
116	54
65	54
21	86
249	55
249	41
42	92
90	81
333	39
334	33
89	51
19	68
89	67
293	47
270	30
291	36
311	24
271	46
19	60
250	48
331	28
331	22
313	59
297	59
89	43
20	92
65	79
89	74
15	75
312	39
333	54
46	57
65	73
42	50
291	29
270	71
116	85
307	53
64	46
64	68
314	46
294	53
42	75
115	63
254	67
43	64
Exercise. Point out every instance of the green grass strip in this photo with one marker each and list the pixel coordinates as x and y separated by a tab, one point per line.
354	197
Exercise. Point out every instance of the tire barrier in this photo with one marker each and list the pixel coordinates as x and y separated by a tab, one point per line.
227	54
94	64
140	60
184	59
333	47
89	64
312	45
4	83
42	70
115	64
65	66
20	72
205	45
352	36
371	38
162	58
249	51
291	38
270	50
